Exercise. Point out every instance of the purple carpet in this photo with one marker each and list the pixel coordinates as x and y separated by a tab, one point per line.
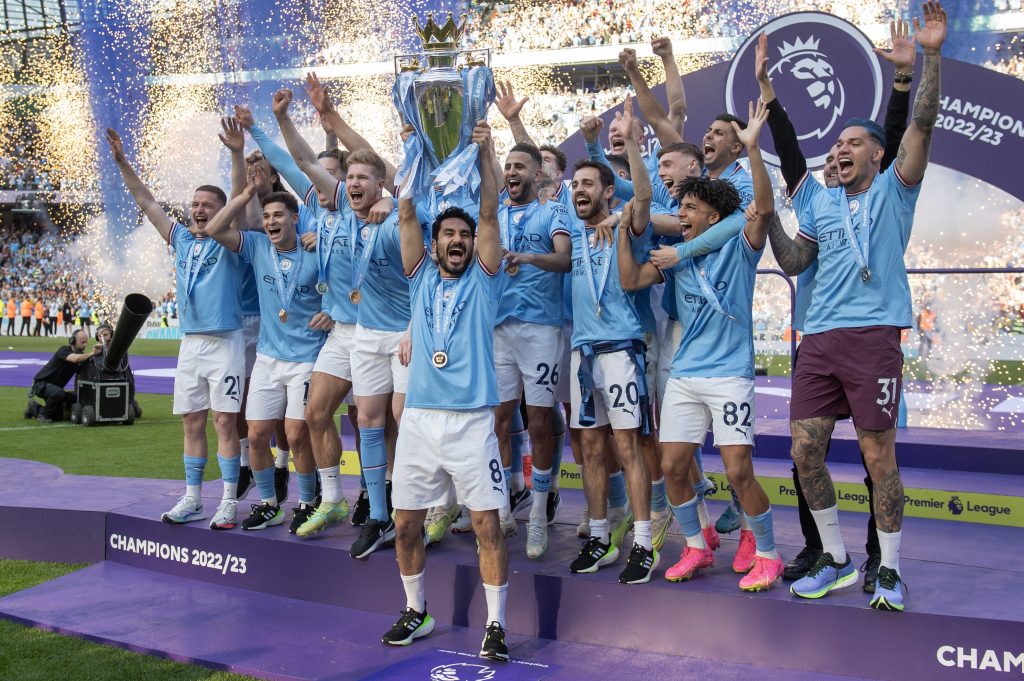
182	591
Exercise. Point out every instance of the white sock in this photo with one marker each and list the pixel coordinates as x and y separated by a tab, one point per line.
230	490
193	491
539	510
281	459
696	541
518	483
744	523
244	456
496	596
599	530
415	597
889	543
702	514
641	533
827	520
330	484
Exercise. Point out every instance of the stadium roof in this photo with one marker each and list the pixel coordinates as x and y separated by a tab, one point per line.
37	18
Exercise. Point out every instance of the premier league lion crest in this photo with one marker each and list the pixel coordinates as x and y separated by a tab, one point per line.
823	70
461	671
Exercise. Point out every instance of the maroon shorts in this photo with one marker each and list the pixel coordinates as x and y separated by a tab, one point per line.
846	372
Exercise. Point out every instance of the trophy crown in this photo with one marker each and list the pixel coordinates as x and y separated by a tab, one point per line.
439	37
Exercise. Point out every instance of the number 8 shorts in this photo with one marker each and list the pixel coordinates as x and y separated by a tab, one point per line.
443	456
693	403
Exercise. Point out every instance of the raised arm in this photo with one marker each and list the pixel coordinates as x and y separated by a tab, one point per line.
643	192
300	150
139	191
674	90
349	138
663	128
632	275
488	240
912	158
278	158
764	198
233	137
221	227
410	235
902	57
509	107
590	128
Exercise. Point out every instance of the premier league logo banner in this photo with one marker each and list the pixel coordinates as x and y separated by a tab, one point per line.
442	101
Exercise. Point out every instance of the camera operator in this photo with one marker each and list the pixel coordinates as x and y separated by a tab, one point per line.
48	384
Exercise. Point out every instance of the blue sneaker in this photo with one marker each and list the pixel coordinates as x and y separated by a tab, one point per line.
825	576
729	521
888	591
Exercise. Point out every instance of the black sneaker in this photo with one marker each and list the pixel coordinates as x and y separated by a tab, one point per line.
299	516
554	503
594	555
362	509
387	498
373	535
870	570
409	627
801	565
520	500
245	482
494	646
640	566
281	476
263	516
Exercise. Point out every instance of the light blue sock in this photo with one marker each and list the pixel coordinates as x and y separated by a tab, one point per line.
375	470
541	480
701	487
507	473
617	490
229	468
194	467
659	500
518	436
265	484
764	535
362	480
700	462
686	516
307	487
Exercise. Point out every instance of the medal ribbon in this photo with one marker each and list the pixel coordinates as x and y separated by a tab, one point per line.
323	260
504	215
286	283
596	289
709	291
359	271
191	270
851	234
444	314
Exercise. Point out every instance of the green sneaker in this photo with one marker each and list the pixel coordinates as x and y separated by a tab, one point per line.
439	519
620	520
325	515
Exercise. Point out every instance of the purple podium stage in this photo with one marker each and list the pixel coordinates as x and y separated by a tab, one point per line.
273	606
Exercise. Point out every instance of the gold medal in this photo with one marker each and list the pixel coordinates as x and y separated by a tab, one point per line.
355	296
440	359
282	314
512	269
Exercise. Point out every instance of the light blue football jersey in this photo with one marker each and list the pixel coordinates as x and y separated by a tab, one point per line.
335	248
214	305
717	345
468	380
840	299
292	340
737	176
384	301
619	319
533	295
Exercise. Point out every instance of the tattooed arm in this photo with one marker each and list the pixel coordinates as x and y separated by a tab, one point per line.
794	255
912	158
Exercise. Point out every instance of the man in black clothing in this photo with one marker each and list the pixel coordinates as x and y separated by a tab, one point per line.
793	167
48	384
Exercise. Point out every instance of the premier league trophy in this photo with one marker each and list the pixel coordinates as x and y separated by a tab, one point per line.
442	101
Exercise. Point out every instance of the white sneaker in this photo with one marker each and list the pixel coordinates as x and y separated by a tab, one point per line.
226	516
188	509
660	522
583	529
536	538
462	524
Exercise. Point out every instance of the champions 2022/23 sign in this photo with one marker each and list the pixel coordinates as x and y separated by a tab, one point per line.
824	72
